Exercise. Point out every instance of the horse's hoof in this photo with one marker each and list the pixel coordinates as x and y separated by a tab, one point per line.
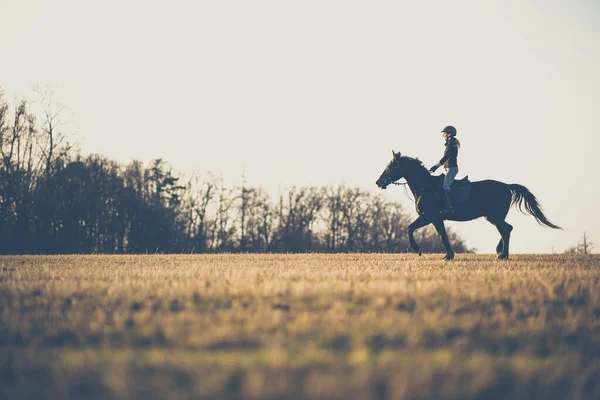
502	257
420	252
449	257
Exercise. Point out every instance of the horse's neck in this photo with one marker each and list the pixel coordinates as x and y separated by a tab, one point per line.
417	182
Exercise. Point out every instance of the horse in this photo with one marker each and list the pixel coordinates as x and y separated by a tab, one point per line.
489	199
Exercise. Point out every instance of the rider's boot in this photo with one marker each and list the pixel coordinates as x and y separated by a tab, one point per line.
448	204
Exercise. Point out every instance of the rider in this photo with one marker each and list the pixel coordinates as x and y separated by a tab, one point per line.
449	162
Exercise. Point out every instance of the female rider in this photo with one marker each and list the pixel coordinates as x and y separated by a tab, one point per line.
449	162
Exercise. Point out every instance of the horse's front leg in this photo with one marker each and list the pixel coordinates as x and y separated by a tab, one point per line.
441	230
418	223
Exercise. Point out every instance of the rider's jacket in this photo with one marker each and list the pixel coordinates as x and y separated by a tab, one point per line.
450	154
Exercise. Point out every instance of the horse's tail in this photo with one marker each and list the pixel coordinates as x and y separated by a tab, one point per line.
520	195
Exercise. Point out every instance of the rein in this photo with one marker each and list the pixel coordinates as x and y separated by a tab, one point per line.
405	184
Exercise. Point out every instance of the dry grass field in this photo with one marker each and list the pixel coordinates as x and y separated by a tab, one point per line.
299	326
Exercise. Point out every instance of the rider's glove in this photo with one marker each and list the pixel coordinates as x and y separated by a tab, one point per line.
432	169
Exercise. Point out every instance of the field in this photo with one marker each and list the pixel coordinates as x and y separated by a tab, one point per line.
299	326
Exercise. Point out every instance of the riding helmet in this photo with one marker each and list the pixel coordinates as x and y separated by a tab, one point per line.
450	130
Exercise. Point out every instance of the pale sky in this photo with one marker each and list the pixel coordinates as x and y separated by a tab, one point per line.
320	92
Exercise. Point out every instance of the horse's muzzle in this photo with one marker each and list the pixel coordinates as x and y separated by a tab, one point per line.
381	184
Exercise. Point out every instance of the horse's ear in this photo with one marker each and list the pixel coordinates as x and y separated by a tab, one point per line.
395	154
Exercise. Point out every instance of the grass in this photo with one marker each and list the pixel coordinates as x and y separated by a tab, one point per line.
300	326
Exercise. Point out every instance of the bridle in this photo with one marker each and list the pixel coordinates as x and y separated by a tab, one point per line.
405	184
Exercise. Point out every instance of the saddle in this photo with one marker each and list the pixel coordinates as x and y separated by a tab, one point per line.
460	190
456	182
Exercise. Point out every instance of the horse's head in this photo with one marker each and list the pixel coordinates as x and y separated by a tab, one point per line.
391	173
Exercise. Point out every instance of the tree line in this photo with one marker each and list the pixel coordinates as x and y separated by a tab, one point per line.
54	200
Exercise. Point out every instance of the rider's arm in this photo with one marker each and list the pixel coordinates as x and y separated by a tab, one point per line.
447	153
445	158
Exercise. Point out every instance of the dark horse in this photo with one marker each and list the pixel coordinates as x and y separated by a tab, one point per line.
489	199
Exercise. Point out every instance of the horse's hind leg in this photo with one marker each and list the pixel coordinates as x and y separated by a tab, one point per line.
504	228
441	229
500	247
505	231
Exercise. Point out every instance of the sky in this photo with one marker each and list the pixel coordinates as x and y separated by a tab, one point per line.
320	92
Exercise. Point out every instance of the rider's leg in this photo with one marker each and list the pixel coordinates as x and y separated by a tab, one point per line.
450	175
448	205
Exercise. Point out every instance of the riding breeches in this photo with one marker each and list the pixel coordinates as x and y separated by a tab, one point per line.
450	174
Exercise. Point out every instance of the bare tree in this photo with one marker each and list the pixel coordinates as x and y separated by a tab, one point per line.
53	142
298	212
17	173
201	196
224	219
388	226
584	246
346	215
334	218
261	220
243	199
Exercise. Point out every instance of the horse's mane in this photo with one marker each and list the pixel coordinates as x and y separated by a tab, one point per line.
416	165
413	161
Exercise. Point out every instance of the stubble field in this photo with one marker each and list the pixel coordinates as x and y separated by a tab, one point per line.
299	326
